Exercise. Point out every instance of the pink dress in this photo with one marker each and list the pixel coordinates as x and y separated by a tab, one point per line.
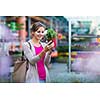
40	64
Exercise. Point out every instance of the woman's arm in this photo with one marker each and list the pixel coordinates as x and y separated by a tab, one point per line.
32	58
31	55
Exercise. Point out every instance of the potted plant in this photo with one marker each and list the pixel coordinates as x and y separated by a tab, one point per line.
51	35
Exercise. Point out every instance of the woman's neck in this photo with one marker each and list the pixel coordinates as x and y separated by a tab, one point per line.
36	42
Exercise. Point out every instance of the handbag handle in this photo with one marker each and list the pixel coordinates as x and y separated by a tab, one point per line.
26	58
23	51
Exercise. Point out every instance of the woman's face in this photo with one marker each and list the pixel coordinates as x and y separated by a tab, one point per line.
39	34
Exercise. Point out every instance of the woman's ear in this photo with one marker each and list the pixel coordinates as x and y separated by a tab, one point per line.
32	33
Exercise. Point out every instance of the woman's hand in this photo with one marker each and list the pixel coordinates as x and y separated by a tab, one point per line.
49	46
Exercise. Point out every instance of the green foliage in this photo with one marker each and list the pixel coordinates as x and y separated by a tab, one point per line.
62	59
19	26
51	34
62	48
15	26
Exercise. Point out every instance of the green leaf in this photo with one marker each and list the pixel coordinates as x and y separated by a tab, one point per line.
51	34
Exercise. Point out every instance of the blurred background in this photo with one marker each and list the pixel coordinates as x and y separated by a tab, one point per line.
78	40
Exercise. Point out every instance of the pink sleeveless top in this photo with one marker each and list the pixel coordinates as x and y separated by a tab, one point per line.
40	64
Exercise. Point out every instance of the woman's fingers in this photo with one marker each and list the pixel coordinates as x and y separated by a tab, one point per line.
49	46
50	42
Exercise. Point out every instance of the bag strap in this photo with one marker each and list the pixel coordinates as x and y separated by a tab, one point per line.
27	59
30	45
23	51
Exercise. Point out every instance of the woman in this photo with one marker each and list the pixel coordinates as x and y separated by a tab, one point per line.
38	56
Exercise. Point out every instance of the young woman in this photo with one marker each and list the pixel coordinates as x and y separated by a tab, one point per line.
38	56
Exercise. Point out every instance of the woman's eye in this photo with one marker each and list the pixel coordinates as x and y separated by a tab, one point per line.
38	31
42	31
